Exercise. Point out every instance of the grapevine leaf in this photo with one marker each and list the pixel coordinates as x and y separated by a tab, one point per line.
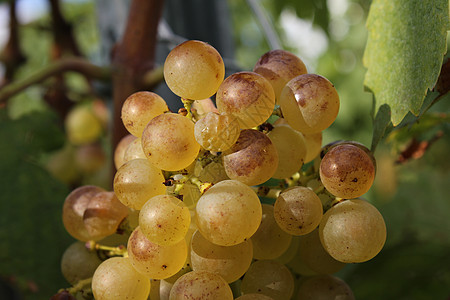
404	52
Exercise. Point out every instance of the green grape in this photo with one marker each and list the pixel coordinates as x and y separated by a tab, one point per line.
230	262
269	241
313	145
353	231
291	148
290	252
153	260
253	159
279	67
139	108
78	263
121	147
217	132
82	126
324	287
200	285
270	278
103	215
194	70
169	142
213	172
298	210
190	194
74	207
137	181
134	151
164	220
248	96
315	257
309	103
228	213
116	279
254	296
347	171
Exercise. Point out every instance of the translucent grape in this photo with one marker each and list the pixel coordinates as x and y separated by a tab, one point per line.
164	220
74	207
248	96
139	108
269	241
153	260
194	70
78	263
347	171
230	262
121	147
270	278
253	159
353	231
216	132
254	297
298	210
213	172
103	215
228	213
290	252
309	103
291	148
137	181
200	285
134	151
279	67
116	279
169	142
313	145
315	257
324	287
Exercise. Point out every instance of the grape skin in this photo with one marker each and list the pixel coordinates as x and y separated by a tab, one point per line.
134	151
121	147
324	287
78	263
254	297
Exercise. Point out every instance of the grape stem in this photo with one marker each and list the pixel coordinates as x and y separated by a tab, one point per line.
120	250
79	286
187	103
267	192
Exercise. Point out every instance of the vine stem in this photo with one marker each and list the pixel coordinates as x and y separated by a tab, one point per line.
80	285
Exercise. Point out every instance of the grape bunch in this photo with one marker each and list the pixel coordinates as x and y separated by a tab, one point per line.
238	201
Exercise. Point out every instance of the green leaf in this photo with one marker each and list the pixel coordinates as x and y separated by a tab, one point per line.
404	52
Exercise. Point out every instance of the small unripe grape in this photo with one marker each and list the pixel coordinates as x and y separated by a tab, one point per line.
347	171
194	70
248	96
309	103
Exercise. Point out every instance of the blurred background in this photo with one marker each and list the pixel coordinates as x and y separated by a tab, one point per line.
40	163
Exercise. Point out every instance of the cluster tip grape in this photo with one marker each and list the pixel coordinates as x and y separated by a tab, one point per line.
233	201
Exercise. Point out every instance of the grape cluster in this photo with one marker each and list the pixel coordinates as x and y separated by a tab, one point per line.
192	190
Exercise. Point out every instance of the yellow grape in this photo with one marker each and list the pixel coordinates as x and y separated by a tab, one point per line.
248	96
324	287
254	296
309	103
194	70
116	279
134	151
121	147
164	220
82	125
169	142
137	181
313	145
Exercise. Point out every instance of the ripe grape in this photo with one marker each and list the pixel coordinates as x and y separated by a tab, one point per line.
164	220
254	296
121	147
116	279
248	96
353	231
324	287
194	70
230	262
103	215
74	207
200	285
347	171
291	148
270	278
279	67
253	159
139	108
216	132
313	145
82	126
309	103
137	181
153	260
228	213
169	142
298	210
78	263
134	151
269	241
